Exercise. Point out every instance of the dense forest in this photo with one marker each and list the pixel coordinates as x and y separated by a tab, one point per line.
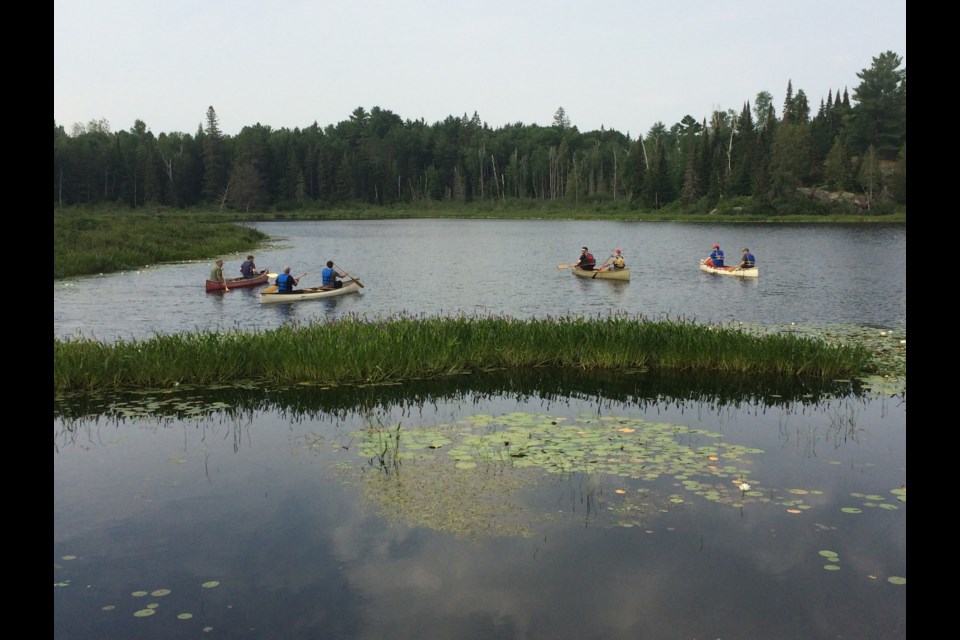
849	155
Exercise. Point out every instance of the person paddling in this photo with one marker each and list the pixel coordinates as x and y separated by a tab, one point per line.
716	257
286	282
586	262
216	274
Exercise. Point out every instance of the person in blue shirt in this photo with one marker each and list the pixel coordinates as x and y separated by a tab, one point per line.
716	257
286	282
748	261
330	276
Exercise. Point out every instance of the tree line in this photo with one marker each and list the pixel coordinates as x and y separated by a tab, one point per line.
757	158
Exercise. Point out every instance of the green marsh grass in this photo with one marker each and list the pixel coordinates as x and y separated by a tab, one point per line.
86	243
354	350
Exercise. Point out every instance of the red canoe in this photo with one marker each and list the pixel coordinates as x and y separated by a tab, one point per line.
237	283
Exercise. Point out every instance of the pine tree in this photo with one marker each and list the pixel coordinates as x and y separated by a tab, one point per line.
214	160
880	118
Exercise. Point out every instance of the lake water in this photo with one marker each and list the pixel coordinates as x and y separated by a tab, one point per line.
808	274
610	507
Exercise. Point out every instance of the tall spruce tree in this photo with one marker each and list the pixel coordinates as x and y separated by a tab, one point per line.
214	160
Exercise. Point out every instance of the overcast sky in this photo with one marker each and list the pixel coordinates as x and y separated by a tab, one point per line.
617	64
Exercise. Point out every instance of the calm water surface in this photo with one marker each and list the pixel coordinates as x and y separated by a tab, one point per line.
809	274
597	518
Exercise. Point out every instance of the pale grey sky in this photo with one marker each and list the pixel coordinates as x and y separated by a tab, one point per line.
619	64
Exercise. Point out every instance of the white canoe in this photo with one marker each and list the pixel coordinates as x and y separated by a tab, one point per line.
752	272
612	274
309	294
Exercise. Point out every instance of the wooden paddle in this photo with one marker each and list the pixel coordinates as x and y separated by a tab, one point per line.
565	266
336	266
601	266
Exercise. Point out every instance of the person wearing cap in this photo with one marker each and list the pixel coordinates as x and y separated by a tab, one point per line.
748	261
216	274
618	262
586	262
716	257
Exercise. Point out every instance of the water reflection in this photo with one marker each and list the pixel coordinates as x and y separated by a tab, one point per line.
351	512
636	389
535	504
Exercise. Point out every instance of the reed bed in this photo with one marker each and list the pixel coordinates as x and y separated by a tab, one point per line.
87	243
354	350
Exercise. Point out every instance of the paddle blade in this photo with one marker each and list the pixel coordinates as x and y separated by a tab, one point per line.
359	284
563	266
270	289
272	275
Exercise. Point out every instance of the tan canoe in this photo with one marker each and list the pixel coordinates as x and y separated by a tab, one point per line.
612	274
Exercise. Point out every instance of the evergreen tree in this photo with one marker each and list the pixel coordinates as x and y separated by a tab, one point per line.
658	190
880	117
214	160
788	105
837	167
789	159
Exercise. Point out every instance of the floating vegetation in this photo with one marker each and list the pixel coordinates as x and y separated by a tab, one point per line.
143	613
184	616
160	592
851	510
466	477
211	584
896	580
139	594
832	558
